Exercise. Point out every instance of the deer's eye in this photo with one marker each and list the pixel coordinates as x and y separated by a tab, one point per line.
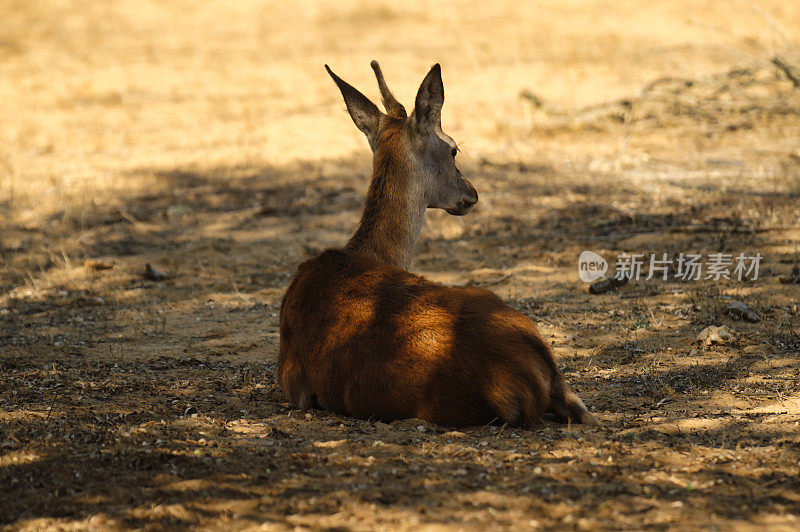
454	151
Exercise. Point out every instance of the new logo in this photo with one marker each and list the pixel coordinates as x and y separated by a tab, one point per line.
591	266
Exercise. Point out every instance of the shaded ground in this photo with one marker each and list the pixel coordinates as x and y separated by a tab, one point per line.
132	403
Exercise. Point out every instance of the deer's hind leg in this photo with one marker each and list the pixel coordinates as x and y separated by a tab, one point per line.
565	406
516	400
296	386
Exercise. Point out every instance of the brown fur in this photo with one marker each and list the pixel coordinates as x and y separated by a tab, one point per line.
383	233
362	336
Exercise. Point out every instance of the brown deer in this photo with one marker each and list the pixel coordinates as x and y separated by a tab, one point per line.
361	335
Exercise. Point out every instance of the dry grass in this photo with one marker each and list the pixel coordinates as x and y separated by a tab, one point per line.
206	139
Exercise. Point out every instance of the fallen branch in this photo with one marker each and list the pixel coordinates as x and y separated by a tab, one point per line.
616	109
787	69
723	100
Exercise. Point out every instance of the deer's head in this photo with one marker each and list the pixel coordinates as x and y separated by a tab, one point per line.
416	142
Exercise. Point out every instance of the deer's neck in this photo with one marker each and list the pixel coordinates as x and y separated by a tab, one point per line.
393	214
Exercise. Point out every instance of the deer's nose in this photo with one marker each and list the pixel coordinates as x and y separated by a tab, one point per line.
472	196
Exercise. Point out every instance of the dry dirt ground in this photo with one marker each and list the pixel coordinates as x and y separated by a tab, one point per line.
205	139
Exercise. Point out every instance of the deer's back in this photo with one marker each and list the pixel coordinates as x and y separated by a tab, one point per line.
369	339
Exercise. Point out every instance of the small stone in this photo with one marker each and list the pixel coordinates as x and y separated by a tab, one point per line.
714	335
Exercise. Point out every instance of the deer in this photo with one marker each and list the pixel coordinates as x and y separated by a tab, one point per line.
362	336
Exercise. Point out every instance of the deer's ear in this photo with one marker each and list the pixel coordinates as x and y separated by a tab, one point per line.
430	98
364	113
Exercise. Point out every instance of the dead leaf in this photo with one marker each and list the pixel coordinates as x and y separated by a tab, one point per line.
98	264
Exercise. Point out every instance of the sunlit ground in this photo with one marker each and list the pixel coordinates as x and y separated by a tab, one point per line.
206	140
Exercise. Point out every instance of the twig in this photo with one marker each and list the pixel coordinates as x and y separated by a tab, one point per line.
52	404
540	318
787	69
501	430
129	217
616	107
685	82
489	423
